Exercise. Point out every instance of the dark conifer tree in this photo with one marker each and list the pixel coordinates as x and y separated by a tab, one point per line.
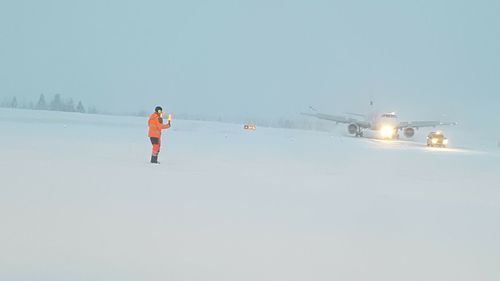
56	103
41	104
13	103
80	108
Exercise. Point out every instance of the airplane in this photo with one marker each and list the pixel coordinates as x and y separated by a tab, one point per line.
387	124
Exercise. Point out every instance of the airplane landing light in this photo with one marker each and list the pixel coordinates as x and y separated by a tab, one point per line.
387	132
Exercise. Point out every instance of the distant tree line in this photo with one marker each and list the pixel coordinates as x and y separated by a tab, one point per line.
290	122
57	103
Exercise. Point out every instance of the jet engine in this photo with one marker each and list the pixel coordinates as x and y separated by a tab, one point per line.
409	132
352	129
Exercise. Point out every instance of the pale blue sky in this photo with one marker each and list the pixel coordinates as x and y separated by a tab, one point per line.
256	58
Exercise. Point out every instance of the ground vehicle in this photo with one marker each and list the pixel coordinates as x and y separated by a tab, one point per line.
436	139
251	127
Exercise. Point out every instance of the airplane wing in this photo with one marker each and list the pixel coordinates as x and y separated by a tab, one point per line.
422	124
340	119
356	114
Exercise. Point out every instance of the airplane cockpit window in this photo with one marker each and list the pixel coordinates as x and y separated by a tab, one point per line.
389	115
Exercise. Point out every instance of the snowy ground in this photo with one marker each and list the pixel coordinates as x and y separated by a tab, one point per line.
79	201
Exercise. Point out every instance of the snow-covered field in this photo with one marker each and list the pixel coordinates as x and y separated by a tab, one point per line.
79	201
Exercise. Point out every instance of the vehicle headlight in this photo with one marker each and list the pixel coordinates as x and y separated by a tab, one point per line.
445	141
434	141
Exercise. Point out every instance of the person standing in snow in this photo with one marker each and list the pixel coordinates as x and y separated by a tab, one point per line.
155	124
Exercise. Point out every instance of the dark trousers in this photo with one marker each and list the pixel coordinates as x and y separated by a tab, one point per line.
156	142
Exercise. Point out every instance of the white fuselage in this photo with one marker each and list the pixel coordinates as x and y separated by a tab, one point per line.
386	124
384	120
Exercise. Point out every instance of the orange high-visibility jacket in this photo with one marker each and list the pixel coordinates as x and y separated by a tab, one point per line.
155	124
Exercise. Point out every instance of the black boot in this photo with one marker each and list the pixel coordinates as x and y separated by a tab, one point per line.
154	159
